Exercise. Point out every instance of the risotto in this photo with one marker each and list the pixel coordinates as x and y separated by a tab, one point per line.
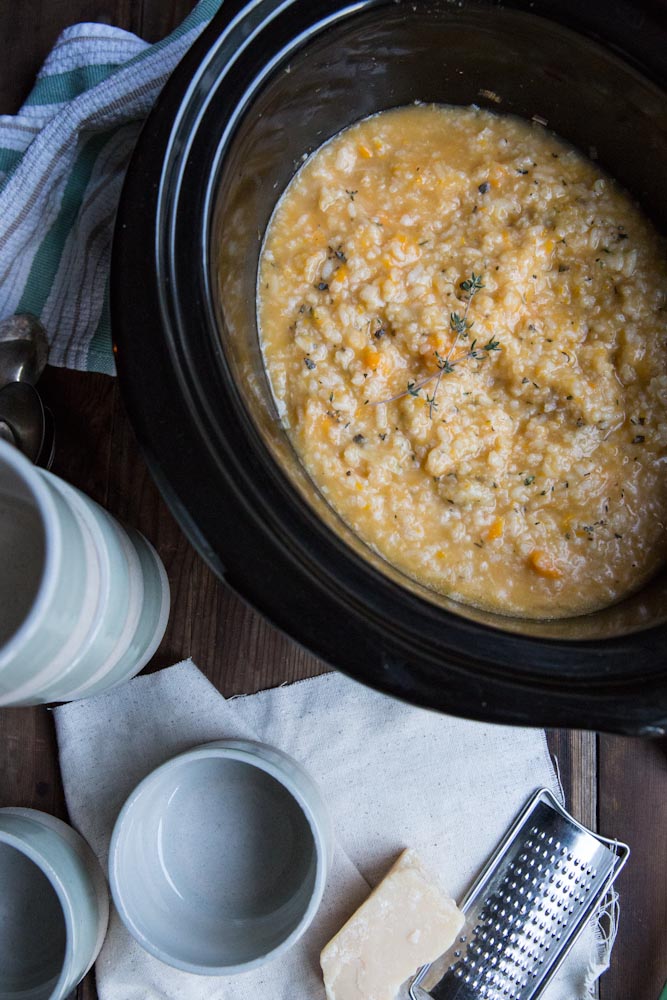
464	323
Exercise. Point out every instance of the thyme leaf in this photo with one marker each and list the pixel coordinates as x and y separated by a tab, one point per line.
460	325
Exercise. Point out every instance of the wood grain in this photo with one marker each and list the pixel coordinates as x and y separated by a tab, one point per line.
153	21
576	757
29	774
28	29
633	808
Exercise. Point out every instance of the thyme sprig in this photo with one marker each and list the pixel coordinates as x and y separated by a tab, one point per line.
461	325
445	367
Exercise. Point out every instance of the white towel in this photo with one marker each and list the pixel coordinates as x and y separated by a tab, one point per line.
393	776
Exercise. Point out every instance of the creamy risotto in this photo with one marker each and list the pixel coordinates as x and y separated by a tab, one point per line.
464	323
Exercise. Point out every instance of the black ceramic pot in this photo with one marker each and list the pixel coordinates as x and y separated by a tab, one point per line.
265	85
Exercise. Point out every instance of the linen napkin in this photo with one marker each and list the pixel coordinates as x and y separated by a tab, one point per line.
393	776
63	159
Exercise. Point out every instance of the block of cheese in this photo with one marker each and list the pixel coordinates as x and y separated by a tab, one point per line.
406	922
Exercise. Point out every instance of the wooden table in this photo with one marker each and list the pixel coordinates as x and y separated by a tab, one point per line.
617	785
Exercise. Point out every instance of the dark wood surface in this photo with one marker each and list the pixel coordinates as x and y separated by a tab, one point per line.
617	785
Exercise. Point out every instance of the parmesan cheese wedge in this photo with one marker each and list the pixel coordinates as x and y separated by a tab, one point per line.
406	922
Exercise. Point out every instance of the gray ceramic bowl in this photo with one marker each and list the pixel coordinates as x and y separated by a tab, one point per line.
219	857
54	906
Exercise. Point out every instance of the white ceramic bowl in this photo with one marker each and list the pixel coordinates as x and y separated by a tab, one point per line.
49	582
84	602
54	906
219	858
141	604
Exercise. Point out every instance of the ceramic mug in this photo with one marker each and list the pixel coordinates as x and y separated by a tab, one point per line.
219	857
84	601
54	906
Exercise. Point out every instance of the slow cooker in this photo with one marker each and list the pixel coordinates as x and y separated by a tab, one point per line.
265	84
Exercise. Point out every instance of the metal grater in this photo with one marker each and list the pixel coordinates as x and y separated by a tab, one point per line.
526	909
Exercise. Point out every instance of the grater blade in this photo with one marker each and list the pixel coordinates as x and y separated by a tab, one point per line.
526	909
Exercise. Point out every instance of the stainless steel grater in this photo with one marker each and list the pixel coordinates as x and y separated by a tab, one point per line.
526	909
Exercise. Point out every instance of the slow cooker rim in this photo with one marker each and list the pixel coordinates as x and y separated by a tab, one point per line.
499	627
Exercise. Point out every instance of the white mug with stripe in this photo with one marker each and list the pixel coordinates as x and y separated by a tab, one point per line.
84	601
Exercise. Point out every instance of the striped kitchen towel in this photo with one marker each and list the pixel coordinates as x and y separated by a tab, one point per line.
62	162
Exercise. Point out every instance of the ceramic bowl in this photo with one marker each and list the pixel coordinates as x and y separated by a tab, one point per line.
219	857
137	595
54	906
84	602
41	621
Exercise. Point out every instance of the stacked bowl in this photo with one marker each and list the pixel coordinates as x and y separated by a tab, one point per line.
54	906
83	601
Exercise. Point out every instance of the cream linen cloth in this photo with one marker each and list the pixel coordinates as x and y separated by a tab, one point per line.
393	776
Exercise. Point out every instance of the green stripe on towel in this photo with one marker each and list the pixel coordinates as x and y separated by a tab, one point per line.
9	158
47	259
100	357
63	87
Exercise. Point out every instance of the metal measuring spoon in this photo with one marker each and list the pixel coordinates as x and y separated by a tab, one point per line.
21	410
24	349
